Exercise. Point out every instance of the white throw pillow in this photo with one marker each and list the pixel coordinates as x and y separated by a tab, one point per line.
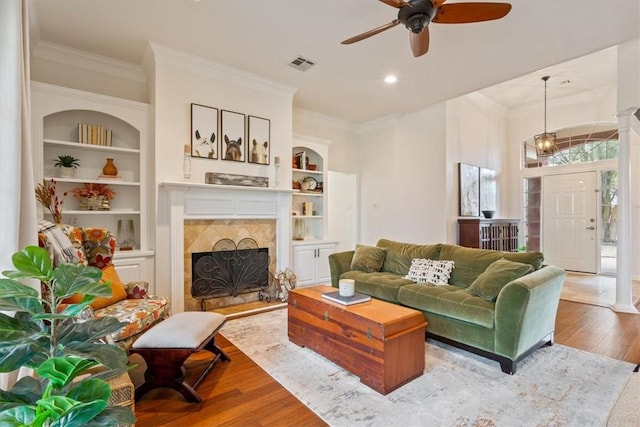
430	271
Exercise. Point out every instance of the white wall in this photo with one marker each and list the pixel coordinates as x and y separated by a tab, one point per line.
181	79
343	150
402	177
476	135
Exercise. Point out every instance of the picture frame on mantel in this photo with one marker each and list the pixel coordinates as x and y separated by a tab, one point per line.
233	136
469	189
204	131
259	140
488	190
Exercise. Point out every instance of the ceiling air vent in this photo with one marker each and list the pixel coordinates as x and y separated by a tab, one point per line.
302	64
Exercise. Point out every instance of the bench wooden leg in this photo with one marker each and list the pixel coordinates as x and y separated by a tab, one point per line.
165	366
165	369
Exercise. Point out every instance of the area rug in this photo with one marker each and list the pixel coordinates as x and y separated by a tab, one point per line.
626	412
556	386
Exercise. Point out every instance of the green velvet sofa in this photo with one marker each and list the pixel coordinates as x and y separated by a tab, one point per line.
514	319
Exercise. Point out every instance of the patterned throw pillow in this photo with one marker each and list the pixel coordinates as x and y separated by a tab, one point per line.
430	271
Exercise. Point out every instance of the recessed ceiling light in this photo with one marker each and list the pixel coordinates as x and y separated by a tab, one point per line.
390	79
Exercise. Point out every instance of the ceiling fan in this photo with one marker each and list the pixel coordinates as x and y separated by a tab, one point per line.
417	14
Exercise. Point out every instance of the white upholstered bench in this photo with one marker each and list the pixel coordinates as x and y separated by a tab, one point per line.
166	346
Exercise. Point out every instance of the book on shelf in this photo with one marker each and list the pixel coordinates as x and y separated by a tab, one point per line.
356	298
301	160
94	135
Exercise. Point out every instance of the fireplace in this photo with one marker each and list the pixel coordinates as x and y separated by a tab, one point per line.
230	269
196	216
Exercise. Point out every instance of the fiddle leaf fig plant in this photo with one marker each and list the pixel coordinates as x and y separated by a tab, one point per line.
49	337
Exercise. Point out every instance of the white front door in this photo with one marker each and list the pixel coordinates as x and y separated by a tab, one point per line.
569	221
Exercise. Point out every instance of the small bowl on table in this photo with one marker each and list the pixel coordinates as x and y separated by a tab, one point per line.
488	213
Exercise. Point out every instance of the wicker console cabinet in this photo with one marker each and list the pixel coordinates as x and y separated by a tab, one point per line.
496	234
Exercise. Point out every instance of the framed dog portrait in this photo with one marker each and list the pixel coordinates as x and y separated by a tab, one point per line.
259	142
204	131
233	137
469	177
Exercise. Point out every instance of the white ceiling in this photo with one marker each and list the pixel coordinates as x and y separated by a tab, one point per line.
263	36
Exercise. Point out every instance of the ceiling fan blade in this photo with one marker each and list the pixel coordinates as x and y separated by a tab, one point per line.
419	42
371	32
396	3
462	13
437	3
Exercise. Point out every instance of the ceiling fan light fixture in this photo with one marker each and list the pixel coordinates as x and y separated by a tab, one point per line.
390	79
417	22
545	142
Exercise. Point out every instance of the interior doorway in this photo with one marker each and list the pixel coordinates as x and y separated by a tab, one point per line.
343	211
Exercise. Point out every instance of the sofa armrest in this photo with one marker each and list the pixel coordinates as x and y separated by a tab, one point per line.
339	262
526	311
137	290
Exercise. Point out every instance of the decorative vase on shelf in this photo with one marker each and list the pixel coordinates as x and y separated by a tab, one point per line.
299	229
109	168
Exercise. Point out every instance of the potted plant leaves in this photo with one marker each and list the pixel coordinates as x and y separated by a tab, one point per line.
46	335
68	165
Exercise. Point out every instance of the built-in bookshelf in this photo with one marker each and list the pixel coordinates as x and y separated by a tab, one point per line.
310	249
93	128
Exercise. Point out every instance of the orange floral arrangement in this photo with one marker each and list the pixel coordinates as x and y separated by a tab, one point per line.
94	190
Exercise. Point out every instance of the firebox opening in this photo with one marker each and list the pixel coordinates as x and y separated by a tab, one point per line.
229	269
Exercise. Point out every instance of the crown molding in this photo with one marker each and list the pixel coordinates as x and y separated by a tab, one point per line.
166	56
389	120
301	138
76	58
89	96
324	120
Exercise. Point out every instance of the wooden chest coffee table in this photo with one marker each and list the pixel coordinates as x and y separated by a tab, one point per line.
382	343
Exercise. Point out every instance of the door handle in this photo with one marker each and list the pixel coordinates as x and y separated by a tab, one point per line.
591	228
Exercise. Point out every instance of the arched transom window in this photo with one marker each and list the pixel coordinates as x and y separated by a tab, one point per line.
577	144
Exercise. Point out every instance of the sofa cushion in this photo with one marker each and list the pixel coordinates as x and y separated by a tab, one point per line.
379	285
99	246
449	301
368	258
488	284
399	255
430	271
470	263
118	291
138	314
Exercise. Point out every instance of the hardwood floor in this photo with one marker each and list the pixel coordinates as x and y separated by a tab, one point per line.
240	393
236	393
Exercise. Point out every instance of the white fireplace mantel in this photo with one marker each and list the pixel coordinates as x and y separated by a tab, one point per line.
188	201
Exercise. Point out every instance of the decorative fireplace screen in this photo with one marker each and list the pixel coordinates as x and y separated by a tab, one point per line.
230	269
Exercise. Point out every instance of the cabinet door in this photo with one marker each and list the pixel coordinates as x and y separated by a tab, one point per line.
133	269
304	264
323	271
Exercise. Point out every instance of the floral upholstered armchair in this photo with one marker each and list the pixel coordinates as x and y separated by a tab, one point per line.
130	302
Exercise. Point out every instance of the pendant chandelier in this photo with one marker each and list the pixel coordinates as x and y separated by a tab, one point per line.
545	142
